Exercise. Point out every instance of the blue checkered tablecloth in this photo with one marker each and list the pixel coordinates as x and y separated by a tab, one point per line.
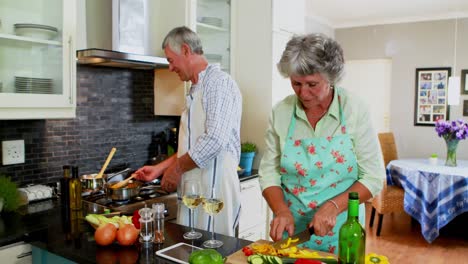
434	194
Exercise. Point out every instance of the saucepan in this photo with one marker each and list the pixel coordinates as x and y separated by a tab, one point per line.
132	189
89	182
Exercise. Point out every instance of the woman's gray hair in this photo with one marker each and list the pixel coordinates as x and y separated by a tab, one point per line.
180	35
311	54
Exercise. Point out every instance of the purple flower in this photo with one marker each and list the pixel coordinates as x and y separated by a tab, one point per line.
450	130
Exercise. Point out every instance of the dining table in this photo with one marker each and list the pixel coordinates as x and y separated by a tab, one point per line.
434	193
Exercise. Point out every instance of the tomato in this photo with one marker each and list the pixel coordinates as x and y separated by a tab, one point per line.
247	251
105	234
127	235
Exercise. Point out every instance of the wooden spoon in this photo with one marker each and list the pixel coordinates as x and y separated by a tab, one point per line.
124	182
111	154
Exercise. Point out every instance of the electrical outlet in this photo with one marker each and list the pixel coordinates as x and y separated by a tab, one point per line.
12	152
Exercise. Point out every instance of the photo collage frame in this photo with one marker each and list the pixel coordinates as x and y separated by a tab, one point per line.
431	96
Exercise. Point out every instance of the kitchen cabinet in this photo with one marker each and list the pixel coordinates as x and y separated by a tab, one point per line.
253	218
18	253
37	59
213	25
213	22
289	16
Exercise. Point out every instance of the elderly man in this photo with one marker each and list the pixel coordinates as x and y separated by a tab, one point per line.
209	133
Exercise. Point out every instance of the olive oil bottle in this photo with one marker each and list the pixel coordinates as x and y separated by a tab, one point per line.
75	190
352	237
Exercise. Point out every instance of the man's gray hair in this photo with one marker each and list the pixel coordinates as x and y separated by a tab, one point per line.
311	54
180	35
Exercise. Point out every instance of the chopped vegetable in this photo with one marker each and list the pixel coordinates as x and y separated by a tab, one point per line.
247	251
206	256
262	259
288	242
291	252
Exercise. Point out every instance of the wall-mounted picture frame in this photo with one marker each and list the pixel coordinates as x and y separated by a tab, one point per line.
465	107
431	95
464	82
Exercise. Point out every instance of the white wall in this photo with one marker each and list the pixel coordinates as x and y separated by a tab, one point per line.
370	80
253	68
411	46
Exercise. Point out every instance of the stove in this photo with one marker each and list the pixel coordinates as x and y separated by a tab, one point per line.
98	202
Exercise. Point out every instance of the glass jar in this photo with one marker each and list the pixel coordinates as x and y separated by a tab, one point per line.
158	209
146	225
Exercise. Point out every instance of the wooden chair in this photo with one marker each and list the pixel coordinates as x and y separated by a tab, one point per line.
390	199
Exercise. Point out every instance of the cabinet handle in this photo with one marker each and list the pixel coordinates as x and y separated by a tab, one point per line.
247	187
25	254
247	235
70	72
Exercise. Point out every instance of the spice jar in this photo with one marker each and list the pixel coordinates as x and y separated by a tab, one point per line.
158	209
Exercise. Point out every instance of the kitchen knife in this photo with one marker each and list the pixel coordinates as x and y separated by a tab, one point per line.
296	239
320	260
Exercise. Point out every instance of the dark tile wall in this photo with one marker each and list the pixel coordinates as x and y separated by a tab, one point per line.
114	109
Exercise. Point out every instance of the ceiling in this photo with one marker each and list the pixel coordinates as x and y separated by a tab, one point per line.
346	13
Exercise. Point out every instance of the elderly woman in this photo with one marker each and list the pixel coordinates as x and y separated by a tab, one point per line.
320	145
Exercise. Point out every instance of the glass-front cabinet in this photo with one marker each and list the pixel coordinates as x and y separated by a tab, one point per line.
213	25
37	59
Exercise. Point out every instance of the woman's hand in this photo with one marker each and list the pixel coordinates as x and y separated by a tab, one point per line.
283	221
149	173
324	219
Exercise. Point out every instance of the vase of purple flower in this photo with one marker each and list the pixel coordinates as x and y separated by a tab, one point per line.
452	132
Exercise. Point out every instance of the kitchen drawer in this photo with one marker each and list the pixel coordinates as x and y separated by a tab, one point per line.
18	253
253	212
253	234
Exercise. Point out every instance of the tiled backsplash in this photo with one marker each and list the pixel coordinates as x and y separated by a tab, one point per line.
114	109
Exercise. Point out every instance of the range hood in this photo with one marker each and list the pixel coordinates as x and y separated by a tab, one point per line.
110	58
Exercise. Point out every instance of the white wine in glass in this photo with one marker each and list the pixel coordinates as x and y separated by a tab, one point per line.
213	206
192	198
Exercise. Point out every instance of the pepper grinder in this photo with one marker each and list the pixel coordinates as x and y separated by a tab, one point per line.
158	209
146	225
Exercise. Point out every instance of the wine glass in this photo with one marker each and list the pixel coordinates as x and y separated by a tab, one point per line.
192	197
213	204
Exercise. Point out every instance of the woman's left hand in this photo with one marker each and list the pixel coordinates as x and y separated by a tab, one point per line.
324	219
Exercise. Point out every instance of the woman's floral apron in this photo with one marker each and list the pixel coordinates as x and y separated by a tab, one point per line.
315	170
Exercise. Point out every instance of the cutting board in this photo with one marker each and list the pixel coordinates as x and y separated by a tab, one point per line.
238	257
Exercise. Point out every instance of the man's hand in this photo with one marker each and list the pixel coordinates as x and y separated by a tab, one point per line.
149	173
283	221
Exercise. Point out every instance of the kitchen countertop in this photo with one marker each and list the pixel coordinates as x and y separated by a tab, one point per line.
30	220
53	231
248	176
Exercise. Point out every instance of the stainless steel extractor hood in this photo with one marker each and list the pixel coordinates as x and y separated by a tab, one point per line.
110	58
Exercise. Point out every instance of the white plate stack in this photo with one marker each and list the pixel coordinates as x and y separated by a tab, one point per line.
33	85
213	21
214	58
36	31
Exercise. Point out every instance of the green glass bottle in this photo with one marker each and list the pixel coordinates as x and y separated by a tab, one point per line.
352	237
172	143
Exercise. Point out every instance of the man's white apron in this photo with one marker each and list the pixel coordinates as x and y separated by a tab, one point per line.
220	173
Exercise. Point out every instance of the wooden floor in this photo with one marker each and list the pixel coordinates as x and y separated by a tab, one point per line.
402	242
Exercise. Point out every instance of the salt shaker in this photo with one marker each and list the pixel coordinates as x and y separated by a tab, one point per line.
158	209
146	225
